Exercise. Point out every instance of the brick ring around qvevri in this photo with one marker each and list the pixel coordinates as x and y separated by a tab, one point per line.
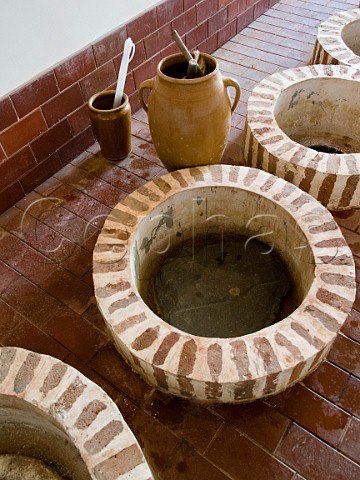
303	125
186	202
50	411
337	39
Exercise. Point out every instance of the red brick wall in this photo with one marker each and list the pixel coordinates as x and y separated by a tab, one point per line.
44	124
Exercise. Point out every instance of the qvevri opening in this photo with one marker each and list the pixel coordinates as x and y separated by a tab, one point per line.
321	114
215	268
203	217
313	140
222	288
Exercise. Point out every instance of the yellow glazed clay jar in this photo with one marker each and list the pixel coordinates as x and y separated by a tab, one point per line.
189	118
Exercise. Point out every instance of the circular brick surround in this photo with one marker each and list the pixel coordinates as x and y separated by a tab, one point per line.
46	395
337	40
308	101
250	201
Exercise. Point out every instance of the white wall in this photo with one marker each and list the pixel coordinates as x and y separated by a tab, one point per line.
37	34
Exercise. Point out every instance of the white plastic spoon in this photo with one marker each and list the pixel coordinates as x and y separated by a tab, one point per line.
129	51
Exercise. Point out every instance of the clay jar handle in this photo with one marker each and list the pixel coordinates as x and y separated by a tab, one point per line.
145	84
230	82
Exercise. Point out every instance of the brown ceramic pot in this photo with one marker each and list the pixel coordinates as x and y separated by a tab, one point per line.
189	118
112	126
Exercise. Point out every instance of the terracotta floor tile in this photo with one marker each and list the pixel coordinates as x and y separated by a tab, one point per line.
346	353
295	44
47	187
279	12
233	155
350	444
88	278
350	398
351	327
259	421
312	412
93	316
112	174
49	243
187	464
185	419
69	289
49	211
31	301
242	459
303	57
230	68
264	66
158	443
254	74
263	44
276	59
313	7
140	129
52	226
141	166
109	364
341	5
26	335
78	262
349	219
6	217
307	37
90	185
306	12
76	334
241	108
141	116
25	259
246	91
82	205
31	200
7	275
237	121
294	25
9	319
314	459
90	150
71	227
262	25
145	149
353	240
237	136
327	380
